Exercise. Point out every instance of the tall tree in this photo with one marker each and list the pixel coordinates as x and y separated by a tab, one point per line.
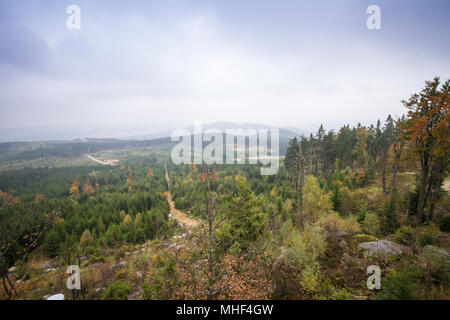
428	126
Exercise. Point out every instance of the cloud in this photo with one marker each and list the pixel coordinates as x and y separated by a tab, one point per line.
22	48
170	64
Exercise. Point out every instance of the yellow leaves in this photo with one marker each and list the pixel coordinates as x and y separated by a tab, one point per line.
39	197
74	190
8	199
127	220
315	201
273	192
87	188
59	220
130	179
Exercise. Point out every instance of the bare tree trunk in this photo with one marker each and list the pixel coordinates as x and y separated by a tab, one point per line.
422	188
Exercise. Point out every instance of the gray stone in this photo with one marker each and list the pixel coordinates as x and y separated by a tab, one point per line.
444	253
348	259
382	247
58	296
47	265
119	265
135	293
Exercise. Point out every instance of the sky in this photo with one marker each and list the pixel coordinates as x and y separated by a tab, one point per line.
144	66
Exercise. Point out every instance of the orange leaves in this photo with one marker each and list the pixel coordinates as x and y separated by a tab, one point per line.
8	199
130	179
87	188
149	173
74	189
39	197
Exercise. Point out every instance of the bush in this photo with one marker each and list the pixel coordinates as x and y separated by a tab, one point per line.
117	291
401	285
371	223
445	224
405	235
427	237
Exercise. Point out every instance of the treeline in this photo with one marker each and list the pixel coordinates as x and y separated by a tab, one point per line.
418	141
71	149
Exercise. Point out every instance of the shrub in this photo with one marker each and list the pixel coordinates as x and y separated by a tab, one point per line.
371	223
445	224
117	291
427	237
401	284
405	235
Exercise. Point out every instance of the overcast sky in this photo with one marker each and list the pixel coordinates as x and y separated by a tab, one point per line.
164	64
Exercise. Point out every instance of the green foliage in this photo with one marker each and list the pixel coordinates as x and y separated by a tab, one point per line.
401	285
405	235
162	280
52	243
390	223
86	238
315	202
298	262
427	237
245	223
116	291
371	223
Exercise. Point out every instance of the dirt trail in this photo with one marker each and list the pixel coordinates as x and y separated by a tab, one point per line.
111	162
180	216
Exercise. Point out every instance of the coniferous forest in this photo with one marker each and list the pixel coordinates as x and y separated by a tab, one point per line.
142	227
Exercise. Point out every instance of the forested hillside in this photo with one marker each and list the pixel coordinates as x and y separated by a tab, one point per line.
341	201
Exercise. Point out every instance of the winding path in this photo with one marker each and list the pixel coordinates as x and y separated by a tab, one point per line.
181	217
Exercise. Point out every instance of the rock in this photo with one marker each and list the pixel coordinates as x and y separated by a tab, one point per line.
135	293
119	265
47	265
382	247
444	253
58	296
342	234
96	264
347	259
343	244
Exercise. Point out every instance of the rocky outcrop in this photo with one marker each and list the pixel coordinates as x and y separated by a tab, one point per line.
439	251
382	247
47	265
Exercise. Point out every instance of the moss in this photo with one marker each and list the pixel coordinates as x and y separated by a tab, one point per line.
361	237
